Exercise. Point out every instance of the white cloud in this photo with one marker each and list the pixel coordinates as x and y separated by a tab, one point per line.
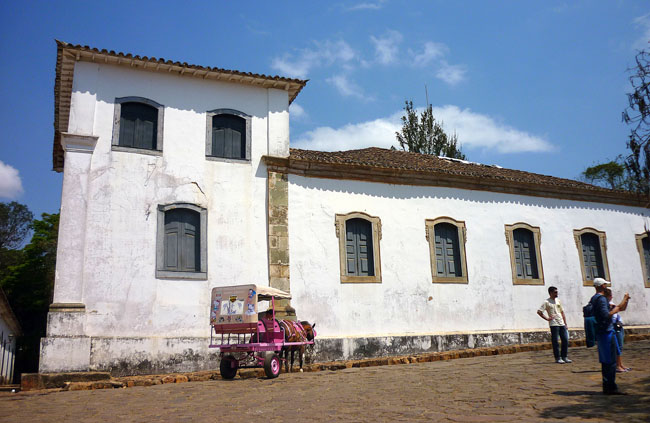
475	132
322	53
368	5
451	74
642	22
386	47
347	88
296	111
10	183
432	51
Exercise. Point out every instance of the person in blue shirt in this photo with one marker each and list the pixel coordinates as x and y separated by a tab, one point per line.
607	346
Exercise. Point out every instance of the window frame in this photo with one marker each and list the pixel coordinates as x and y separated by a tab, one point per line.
340	224
602	241
117	115
639	246
429	225
510	241
208	135
161	273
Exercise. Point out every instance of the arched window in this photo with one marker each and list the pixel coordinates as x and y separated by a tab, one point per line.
592	248
228	135
446	238
525	257
359	235
643	245
138	124
181	242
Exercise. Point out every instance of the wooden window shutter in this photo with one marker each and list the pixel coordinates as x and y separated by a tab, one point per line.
138	125
592	256
447	247
525	254
182	240
229	136
358	248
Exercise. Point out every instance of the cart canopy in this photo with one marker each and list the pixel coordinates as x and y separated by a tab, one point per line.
237	304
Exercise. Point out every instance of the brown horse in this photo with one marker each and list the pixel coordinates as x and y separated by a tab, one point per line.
296	332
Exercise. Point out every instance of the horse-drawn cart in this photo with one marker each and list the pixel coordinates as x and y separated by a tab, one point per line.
249	337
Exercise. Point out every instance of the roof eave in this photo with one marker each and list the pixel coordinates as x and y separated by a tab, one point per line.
318	169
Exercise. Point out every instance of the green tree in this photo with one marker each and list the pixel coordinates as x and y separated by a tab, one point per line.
611	174
424	134
637	114
29	287
15	219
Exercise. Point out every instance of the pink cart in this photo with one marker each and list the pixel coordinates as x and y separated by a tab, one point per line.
245	336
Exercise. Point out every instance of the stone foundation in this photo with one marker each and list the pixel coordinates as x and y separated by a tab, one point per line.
141	356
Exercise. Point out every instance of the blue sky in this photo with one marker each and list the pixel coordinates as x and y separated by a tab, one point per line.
537	86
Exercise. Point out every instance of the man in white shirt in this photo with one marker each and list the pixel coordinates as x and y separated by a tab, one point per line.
557	322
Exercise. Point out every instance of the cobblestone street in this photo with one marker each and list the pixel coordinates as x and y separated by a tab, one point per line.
517	387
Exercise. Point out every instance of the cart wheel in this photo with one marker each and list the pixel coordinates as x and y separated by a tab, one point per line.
228	367
272	366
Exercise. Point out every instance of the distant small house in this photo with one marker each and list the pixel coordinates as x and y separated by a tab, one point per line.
9	331
178	178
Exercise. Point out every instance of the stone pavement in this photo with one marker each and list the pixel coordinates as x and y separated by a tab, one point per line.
526	386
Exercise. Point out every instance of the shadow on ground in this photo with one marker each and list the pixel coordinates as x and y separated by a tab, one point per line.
635	406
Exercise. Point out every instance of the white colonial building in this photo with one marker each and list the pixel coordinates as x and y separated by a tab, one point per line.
179	178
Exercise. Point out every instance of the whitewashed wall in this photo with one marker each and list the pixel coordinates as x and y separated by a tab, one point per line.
490	301
120	291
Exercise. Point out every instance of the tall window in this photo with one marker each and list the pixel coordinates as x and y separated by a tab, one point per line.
228	135
359	235
446	238
591	245
525	258
138	124
643	245
181	241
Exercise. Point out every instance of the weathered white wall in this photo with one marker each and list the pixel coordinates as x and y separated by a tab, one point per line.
121	293
490	301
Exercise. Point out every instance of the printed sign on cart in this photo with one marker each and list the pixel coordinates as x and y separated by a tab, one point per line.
232	307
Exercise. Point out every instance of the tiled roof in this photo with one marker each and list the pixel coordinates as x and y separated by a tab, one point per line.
381	159
68	54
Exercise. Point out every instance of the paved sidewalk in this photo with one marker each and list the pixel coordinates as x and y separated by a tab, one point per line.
518	387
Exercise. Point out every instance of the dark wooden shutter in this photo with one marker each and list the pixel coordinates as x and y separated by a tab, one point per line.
592	256
447	250
358	248
646	255
182	240
138	125
525	254
229	136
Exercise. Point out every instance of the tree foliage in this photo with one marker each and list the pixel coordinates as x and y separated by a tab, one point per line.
637	114
611	174
29	286
424	134
15	219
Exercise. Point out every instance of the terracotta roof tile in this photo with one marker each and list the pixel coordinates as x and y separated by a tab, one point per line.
382	158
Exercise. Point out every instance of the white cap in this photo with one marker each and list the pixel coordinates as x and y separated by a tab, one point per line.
601	282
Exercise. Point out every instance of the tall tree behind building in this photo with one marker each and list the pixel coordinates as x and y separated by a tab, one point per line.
424	134
29	287
637	114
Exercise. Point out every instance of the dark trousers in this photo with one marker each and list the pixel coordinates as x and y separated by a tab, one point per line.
562	333
609	369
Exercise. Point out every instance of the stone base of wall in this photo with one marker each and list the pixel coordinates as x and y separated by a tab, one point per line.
125	356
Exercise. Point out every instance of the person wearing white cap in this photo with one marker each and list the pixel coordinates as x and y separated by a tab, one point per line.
608	348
